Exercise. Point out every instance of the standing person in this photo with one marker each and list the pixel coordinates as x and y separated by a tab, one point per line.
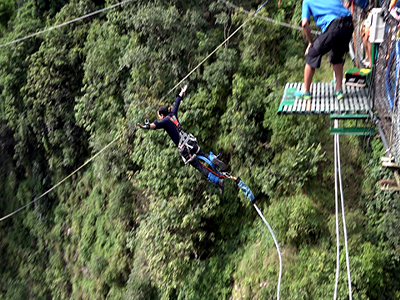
337	28
186	143
364	33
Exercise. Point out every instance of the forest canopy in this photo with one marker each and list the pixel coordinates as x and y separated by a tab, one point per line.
136	223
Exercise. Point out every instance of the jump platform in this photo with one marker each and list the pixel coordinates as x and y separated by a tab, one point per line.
323	100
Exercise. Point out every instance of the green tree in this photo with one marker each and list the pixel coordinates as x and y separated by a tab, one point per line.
6	13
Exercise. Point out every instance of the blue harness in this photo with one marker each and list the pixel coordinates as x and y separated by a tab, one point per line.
213	175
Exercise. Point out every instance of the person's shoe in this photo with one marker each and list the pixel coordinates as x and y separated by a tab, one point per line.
365	62
302	95
219	164
221	185
339	95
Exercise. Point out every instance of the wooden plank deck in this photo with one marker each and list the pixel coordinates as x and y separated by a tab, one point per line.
323	100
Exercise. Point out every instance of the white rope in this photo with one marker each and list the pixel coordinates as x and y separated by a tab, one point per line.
277	248
338	175
66	23
344	220
336	216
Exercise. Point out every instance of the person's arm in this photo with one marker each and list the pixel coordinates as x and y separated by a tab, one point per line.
392	4
307	32
183	90
178	99
394	14
348	3
147	126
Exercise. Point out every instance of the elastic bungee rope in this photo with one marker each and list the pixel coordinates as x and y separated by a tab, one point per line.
249	194
344	221
277	248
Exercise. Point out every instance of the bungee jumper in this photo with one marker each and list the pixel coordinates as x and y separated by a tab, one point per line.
191	153
187	144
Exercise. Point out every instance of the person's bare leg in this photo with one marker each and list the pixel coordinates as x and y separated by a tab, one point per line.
365	44
308	76
369	51
338	69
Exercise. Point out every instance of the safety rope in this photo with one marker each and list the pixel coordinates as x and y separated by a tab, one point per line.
66	23
141	117
338	176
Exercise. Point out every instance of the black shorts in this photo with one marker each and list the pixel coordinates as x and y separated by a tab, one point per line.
335	39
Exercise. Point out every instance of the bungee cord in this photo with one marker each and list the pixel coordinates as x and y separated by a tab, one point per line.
277	248
249	194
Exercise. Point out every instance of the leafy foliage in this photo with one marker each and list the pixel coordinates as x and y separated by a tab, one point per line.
136	223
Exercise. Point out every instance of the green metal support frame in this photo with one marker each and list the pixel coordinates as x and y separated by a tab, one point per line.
352	130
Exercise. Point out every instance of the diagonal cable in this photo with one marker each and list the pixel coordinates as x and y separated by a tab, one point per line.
146	112
316	32
65	23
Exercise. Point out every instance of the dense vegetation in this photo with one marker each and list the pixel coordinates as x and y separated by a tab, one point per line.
136	223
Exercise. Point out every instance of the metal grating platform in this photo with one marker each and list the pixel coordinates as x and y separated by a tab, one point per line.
323	101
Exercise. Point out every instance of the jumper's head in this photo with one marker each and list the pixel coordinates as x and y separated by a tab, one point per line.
162	112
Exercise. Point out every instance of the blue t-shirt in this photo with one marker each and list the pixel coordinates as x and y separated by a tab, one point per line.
323	11
168	125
